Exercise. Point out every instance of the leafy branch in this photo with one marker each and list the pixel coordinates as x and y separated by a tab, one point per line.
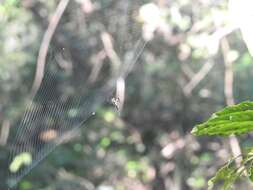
232	120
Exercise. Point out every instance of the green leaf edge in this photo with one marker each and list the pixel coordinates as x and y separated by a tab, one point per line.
228	121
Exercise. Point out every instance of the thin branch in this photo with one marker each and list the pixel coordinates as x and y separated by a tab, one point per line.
41	62
187	71
229	75
67	65
221	33
97	61
197	78
84	183
5	130
215	38
120	92
120	70
110	52
116	63
228	91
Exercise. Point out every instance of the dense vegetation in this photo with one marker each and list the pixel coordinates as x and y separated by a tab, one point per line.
195	63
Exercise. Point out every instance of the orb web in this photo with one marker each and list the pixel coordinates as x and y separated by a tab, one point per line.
108	46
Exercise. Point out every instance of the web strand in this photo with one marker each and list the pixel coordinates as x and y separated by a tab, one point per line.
48	114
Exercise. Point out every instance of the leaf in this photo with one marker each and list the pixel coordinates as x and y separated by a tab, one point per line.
248	163
250	172
228	174
235	119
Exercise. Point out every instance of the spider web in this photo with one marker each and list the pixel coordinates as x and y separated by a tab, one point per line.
69	96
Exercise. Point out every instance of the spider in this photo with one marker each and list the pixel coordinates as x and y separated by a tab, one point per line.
116	102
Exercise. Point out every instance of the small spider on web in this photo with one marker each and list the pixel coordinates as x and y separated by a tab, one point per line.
118	99
115	101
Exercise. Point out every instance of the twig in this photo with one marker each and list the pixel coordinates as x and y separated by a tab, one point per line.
229	75
187	71
228	91
86	184
116	63
97	61
197	78
215	38
67	65
110	52
41	62
120	92
4	132
221	33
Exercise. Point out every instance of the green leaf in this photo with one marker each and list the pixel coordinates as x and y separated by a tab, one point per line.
235	119
250	171
227	174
